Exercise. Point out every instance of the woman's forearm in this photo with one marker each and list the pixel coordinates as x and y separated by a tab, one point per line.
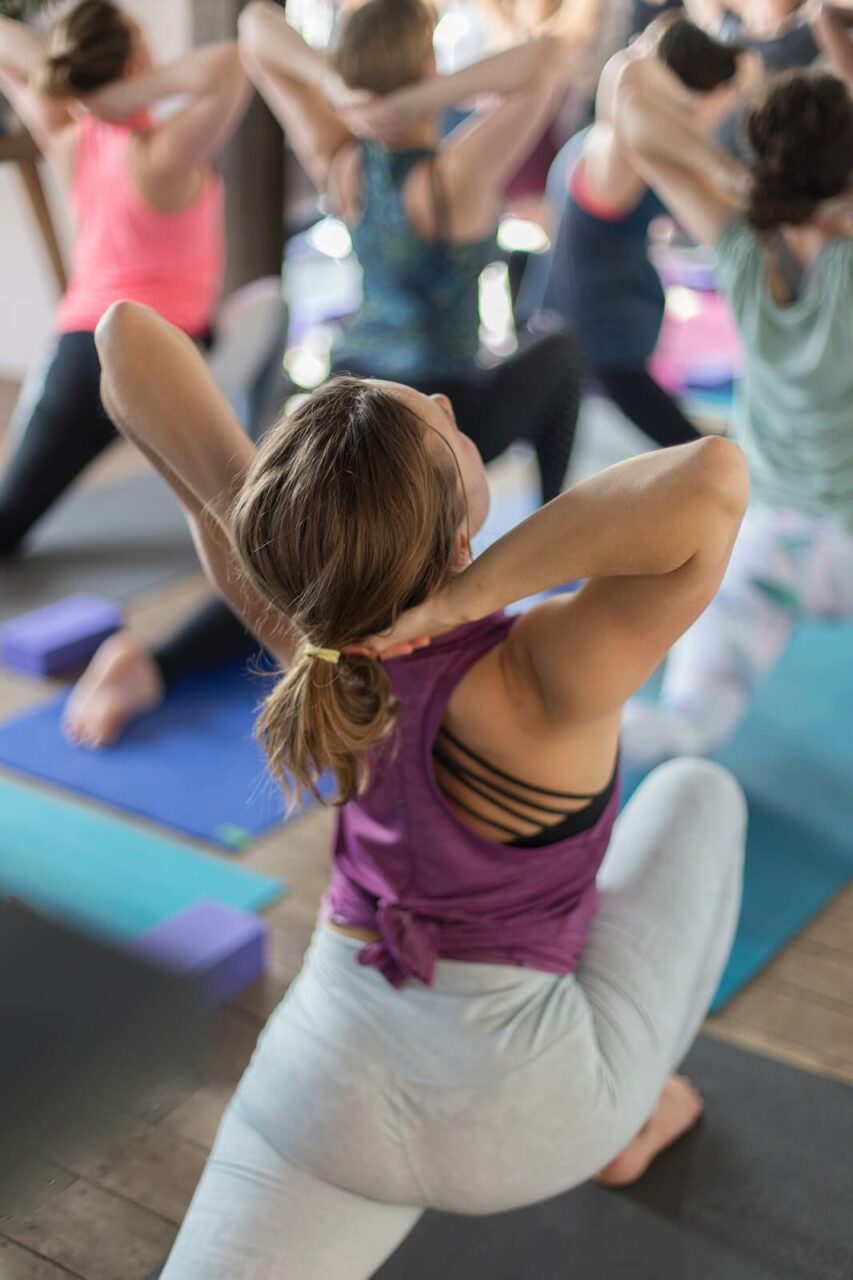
159	394
650	515
269	39
197	73
503	74
164	400
833	28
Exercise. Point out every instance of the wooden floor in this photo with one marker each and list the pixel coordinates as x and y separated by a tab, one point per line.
111	1212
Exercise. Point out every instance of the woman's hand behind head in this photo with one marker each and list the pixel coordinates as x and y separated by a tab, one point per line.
370	115
415	628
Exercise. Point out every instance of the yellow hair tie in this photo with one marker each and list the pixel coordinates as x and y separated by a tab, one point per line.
324	655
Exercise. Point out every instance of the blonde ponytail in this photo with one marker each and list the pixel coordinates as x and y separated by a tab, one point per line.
321	719
347	518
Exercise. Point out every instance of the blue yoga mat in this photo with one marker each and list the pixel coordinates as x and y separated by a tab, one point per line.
794	757
104	875
191	765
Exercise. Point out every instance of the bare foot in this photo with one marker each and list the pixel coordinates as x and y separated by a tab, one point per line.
120	682
679	1107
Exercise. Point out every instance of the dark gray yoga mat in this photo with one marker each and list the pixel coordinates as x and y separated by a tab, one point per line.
761	1190
112	540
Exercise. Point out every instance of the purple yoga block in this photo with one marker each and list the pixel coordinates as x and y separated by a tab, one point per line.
221	947
711	373
59	637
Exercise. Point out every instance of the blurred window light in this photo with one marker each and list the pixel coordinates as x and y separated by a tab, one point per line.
313	19
522	235
309	362
683	303
331	237
461	36
497	327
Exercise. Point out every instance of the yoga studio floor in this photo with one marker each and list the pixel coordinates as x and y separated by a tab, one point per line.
112	1211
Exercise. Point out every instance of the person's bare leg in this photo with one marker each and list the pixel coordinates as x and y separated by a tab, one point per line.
121	682
679	1108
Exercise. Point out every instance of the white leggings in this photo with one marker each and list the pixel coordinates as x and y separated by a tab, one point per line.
785	567
497	1087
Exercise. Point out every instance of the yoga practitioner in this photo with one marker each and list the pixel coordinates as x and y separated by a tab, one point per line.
785	264
774	30
600	280
147	209
478	1024
596	28
423	213
771	28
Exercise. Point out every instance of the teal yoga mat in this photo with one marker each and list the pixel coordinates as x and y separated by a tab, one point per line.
105	876
793	755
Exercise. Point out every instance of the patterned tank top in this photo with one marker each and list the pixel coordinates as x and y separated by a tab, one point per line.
420	312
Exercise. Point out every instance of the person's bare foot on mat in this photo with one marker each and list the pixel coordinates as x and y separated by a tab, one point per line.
121	682
679	1107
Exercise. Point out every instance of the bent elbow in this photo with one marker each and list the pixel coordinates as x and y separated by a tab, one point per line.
250	25
725	476
114	325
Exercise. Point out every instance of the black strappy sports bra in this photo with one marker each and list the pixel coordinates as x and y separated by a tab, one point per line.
501	790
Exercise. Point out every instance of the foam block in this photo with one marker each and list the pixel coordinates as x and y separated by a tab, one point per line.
690	274
59	637
220	947
710	373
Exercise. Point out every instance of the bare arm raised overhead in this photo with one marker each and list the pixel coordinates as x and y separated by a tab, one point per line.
211	80
482	154
22	53
158	392
320	112
652	537
655	121
833	27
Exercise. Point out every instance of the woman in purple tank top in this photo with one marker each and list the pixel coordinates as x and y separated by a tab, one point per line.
502	983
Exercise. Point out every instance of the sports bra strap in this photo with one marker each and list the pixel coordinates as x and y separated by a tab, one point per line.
441	204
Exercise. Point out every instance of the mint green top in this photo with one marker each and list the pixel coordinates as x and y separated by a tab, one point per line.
794	401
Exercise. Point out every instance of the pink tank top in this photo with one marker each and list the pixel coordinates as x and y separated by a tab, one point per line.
125	248
406	866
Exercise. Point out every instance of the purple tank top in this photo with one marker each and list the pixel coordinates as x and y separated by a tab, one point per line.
406	866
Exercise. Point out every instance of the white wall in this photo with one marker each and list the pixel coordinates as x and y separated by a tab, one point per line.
27	291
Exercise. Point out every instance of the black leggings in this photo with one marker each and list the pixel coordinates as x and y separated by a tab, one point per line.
648	406
67	429
534	395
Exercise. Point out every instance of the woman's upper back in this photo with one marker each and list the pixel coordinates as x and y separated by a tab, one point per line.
125	247
795	406
410	863
420	312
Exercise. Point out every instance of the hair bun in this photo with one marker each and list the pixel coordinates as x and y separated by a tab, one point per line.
56	76
770	208
90	45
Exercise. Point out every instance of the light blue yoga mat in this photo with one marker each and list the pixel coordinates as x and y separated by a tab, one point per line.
192	765
794	757
104	875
